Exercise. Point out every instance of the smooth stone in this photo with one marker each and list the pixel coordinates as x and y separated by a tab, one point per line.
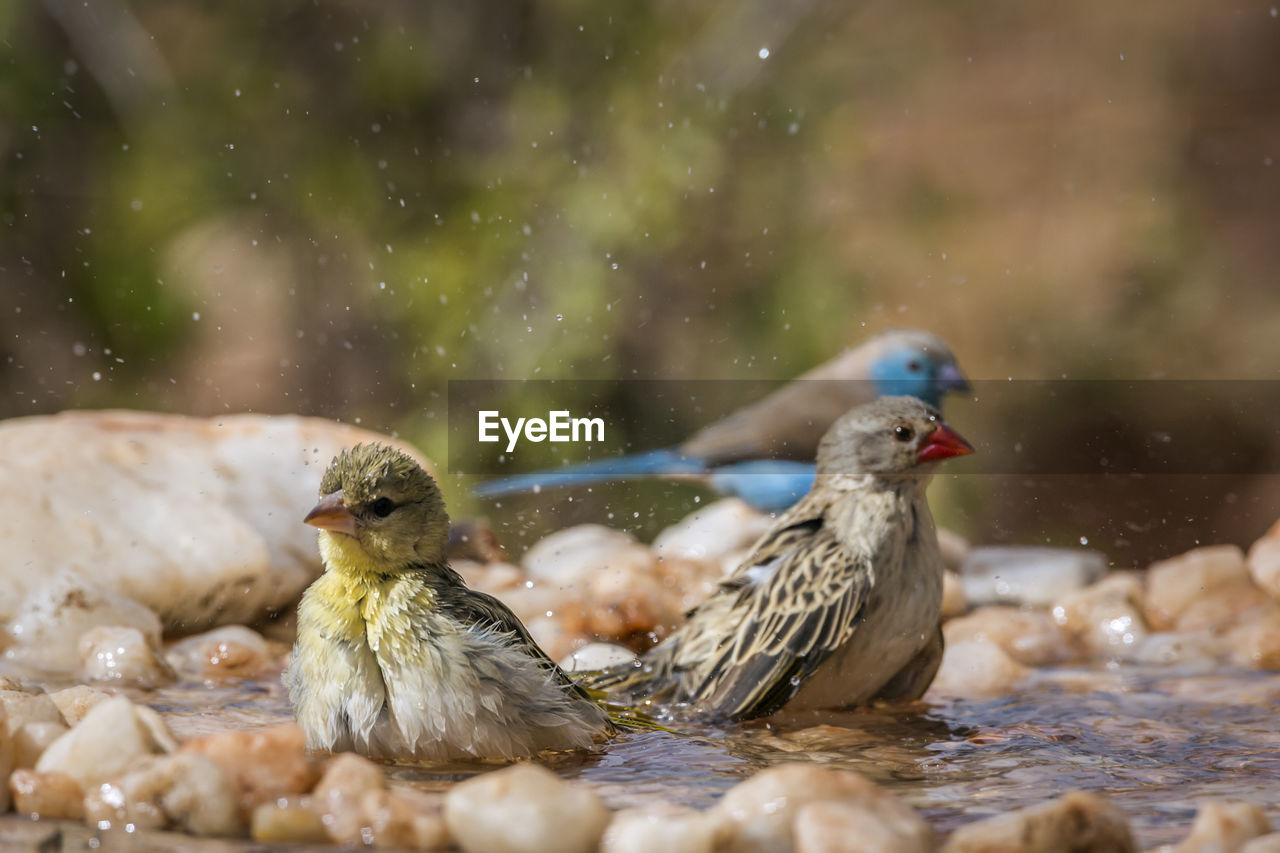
853	827
662	828
1201	650
1079	819
285	821
185	792
32	739
1269	843
1028	575
51	796
75	702
336	797
262	765
1256	643
1030	637
403	817
198	519
1175	584
493	578
232	651
976	668
594	656
576	554
524	808
21	708
1222	826
760	812
1264	561
116	654
1224	607
6	762
1106	616
713	532
110	737
954	602
56	613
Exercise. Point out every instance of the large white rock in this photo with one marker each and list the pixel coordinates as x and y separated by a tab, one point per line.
198	519
713	532
106	741
760	814
1028	575
524	808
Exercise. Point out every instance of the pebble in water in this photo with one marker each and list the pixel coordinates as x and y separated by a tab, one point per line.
122	655
1176	584
761	813
32	739
1087	821
262	765
53	796
524	808
1030	637
1105	616
185	792
976	667
232	651
845	827
1264	561
109	738
1028	575
1222	826
663	828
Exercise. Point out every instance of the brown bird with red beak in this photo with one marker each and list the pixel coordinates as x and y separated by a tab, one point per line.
838	604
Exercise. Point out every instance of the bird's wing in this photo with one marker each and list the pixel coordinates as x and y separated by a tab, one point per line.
480	611
803	606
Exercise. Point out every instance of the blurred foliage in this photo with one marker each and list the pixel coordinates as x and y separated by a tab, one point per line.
334	206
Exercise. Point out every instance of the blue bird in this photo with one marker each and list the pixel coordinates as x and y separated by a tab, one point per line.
763	452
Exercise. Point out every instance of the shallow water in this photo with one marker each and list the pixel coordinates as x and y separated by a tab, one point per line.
1153	740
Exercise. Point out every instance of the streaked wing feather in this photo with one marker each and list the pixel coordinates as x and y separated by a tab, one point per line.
806	610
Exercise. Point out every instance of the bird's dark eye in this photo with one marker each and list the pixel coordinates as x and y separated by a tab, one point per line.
913	366
902	432
382	507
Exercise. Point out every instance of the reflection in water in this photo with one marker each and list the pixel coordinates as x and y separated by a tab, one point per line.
1153	740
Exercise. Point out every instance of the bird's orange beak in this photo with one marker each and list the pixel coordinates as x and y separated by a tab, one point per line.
943	443
332	514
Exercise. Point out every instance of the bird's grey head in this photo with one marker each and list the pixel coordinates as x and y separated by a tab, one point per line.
386	502
915	363
891	436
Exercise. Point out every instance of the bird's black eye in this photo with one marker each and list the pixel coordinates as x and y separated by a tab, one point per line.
902	432
913	366
382	507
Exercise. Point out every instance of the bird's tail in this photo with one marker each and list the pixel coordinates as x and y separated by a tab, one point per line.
653	463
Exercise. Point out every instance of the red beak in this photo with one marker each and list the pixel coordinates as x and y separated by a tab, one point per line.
943	443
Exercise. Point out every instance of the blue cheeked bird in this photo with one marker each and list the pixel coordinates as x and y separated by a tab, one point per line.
763	452
838	604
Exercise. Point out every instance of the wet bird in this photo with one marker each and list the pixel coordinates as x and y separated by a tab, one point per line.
763	452
839	602
395	656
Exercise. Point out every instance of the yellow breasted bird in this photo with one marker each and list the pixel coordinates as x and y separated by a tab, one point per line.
395	657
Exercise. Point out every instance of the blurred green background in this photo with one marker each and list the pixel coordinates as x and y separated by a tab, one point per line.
334	207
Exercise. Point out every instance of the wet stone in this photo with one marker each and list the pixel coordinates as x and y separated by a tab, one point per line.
32	739
185	792
662	828
524	808
75	702
1174	585
1264	562
1222	826
852	827
1105	616
761	812
1030	637
262	765
232	651
597	656
285	821
109	738
1088	820
1028	575
53	796
712	533
121	655
976	667
336	798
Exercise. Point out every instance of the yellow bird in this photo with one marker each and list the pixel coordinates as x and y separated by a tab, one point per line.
395	657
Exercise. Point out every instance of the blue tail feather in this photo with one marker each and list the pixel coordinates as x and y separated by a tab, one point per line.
769	485
654	463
